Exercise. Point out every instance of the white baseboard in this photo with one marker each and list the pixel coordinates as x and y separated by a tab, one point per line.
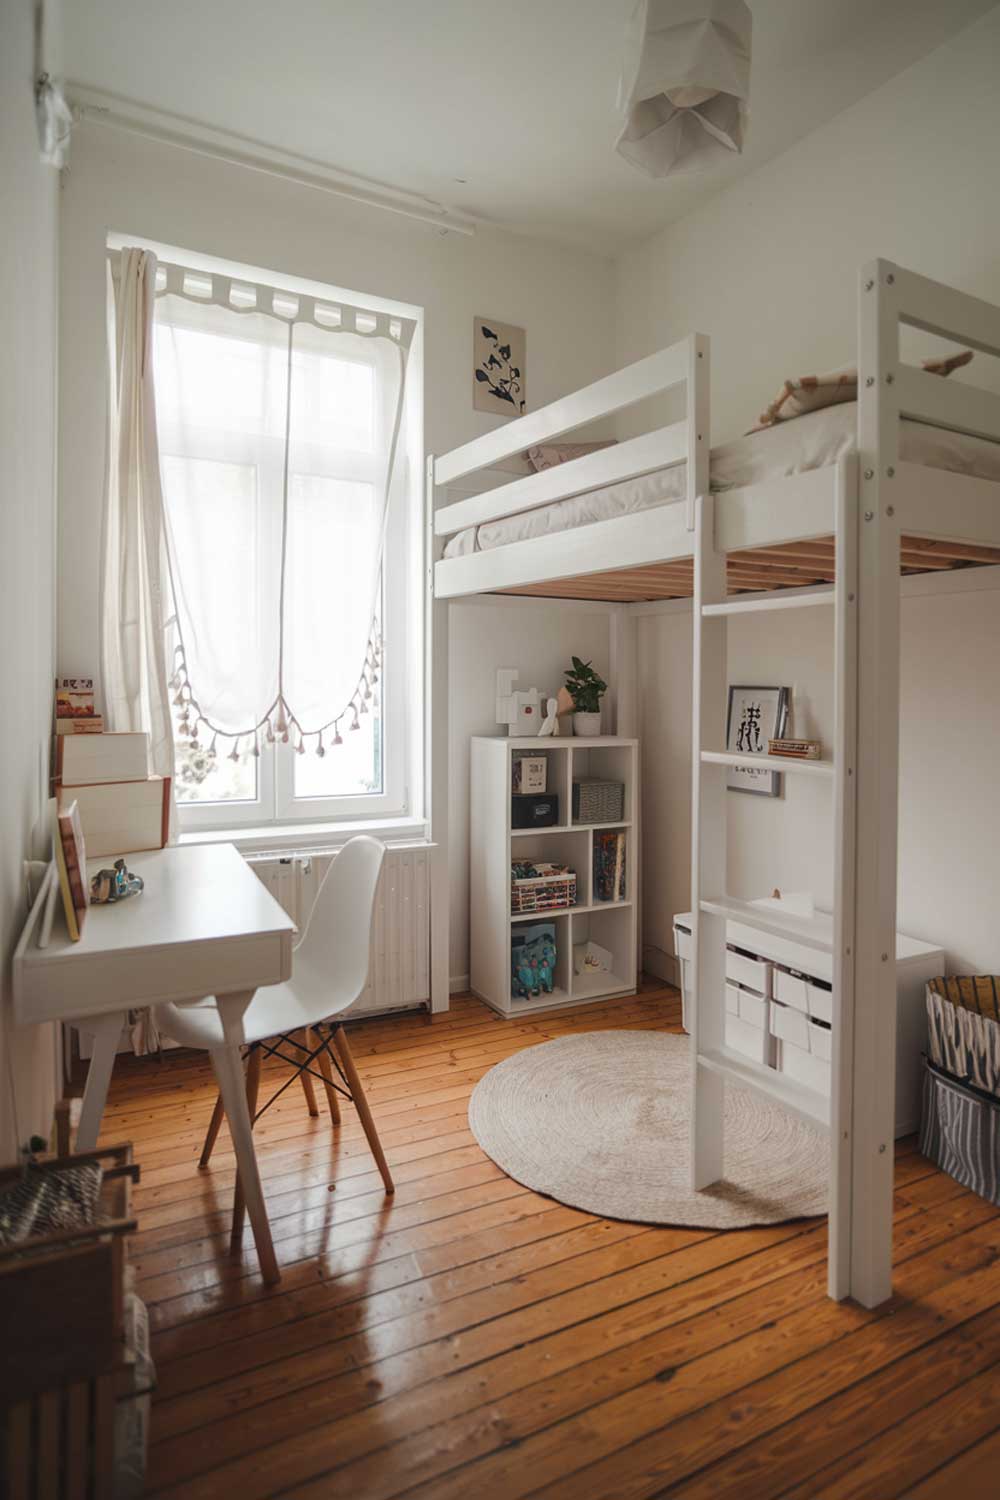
458	984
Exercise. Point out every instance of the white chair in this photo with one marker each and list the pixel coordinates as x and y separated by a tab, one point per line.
330	970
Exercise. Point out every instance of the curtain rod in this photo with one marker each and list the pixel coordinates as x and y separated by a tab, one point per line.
96	107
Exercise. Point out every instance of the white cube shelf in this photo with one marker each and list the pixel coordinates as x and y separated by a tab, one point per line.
494	845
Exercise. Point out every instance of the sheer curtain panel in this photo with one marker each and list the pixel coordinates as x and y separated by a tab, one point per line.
279	420
135	593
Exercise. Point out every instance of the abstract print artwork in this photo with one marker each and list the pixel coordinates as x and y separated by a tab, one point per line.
756	715
498	351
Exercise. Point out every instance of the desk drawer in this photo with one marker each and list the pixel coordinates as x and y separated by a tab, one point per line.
803	994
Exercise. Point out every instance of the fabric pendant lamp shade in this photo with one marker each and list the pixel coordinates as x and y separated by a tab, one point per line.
685	84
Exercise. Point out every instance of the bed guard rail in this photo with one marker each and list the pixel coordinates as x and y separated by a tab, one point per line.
683	364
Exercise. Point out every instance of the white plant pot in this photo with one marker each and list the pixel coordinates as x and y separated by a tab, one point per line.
587	725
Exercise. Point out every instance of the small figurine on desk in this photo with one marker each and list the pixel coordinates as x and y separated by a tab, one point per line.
114	885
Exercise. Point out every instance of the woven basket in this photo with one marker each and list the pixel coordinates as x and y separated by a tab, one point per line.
598	801
963	1029
542	892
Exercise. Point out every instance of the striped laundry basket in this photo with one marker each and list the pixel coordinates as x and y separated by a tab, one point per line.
960	1122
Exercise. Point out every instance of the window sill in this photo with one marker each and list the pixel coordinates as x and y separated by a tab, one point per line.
307	837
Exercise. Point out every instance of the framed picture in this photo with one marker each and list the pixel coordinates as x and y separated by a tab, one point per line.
756	715
499	353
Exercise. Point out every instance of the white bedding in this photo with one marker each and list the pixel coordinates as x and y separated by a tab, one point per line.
810	442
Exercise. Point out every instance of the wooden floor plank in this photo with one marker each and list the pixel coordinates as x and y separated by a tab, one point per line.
475	1339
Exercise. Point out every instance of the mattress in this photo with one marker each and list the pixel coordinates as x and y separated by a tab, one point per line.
809	442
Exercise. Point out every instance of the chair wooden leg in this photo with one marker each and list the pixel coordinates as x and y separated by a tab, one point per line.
239	1201
361	1105
306	1080
213	1130
326	1068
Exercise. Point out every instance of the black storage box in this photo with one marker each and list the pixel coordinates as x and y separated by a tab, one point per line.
534	810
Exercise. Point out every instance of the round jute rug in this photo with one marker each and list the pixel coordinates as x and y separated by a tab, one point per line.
601	1122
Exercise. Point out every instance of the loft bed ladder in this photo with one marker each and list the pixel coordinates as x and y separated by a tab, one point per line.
713	908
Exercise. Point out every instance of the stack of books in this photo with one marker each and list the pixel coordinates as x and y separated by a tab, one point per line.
609	865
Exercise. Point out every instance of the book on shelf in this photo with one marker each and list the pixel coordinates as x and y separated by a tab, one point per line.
795	749
76	707
610	847
70	854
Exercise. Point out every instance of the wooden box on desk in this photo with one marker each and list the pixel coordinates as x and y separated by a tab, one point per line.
82	759
120	817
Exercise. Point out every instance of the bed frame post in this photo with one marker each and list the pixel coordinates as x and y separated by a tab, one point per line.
708	812
708	852
436	758
876	789
845	751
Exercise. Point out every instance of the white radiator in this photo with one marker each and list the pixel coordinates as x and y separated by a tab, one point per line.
399	967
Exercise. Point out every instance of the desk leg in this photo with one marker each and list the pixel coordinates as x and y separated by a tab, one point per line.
228	1065
106	1031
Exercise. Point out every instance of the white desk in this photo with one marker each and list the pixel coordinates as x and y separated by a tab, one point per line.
204	925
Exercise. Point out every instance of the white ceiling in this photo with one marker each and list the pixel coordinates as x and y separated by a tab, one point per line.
501	109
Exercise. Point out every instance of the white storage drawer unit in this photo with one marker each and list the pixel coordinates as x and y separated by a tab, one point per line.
779	1006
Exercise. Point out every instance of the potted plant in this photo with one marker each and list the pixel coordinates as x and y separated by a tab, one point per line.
586	690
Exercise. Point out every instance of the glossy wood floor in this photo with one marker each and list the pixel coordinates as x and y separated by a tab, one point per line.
470	1339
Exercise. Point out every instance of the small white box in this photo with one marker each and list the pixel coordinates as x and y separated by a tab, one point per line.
120	817
750	972
803	994
753	1010
748	1041
85	759
790	1025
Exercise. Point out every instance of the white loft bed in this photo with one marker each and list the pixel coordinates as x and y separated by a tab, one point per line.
856	523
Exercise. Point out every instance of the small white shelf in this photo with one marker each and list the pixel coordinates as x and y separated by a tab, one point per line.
520	833
494	845
820	768
760	606
803	1101
565	911
811	932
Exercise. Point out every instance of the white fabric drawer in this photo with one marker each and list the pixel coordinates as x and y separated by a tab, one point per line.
732	1000
748	1041
753	1009
790	1025
752	973
804	1067
803	994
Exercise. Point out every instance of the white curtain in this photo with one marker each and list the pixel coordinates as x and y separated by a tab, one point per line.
135	593
685	84
278	424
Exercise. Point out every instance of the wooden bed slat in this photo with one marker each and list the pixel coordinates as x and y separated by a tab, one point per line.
792	565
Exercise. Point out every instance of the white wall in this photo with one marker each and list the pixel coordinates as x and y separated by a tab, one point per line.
538	638
769	270
120	183
30	194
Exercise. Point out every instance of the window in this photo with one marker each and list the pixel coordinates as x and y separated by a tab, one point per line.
286	454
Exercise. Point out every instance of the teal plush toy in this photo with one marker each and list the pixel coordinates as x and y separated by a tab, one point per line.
534	967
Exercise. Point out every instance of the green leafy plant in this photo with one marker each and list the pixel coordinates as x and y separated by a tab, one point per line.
585	687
